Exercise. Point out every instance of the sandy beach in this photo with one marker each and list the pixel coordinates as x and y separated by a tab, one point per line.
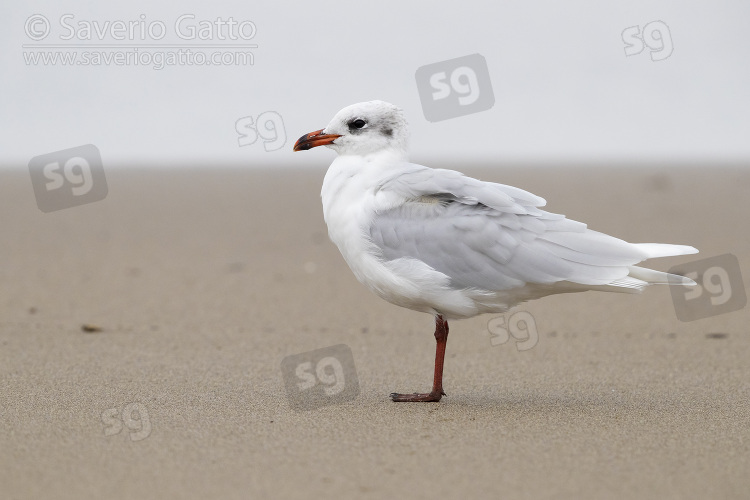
198	282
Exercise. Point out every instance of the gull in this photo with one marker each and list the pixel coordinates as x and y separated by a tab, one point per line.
437	241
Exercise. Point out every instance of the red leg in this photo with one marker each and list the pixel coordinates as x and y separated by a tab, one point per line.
441	337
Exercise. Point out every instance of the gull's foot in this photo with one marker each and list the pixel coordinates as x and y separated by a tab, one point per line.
433	396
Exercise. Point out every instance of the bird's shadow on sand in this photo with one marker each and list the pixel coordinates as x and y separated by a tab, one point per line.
539	403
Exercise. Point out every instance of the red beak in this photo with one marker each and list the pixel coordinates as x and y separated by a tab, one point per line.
314	139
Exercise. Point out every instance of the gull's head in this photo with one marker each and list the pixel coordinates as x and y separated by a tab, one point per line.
362	129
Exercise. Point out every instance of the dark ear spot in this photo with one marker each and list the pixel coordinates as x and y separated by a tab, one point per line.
387	132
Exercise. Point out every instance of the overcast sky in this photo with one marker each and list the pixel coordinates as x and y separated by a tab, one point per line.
564	89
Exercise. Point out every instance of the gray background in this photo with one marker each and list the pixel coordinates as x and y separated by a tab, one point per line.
564	89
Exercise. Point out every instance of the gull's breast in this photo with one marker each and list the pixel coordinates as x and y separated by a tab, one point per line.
350	204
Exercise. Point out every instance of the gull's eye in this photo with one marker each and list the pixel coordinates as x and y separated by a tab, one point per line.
359	123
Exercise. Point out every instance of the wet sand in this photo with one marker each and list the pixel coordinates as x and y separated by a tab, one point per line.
203	280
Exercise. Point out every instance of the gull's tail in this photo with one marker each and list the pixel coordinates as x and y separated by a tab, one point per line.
640	277
654	250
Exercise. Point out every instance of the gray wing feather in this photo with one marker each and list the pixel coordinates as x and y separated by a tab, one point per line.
491	236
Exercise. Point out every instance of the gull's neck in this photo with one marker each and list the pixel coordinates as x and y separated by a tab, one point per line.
350	176
380	157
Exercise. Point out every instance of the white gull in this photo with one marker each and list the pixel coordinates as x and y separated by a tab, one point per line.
437	241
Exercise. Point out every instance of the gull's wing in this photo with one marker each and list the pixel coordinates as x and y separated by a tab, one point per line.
494	237
414	181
